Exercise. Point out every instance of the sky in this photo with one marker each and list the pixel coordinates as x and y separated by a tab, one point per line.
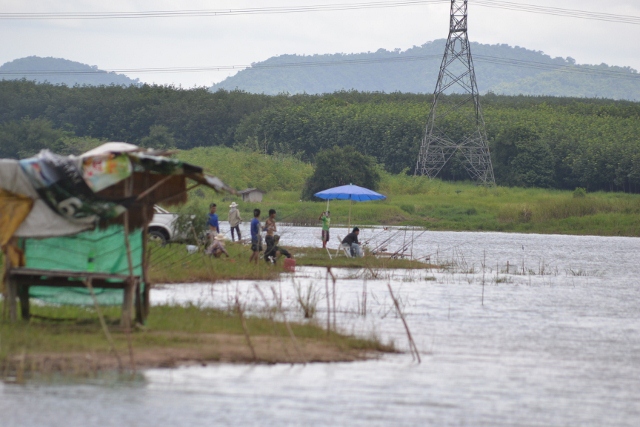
239	40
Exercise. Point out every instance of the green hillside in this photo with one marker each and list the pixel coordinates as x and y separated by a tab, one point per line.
61	71
499	68
551	142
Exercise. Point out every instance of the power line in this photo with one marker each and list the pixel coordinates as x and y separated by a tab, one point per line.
181	13
220	12
512	62
556	11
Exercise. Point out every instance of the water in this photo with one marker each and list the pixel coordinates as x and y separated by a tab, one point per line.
558	345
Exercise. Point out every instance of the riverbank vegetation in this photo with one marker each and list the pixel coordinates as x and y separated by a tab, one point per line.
70	339
417	201
543	149
174	264
549	142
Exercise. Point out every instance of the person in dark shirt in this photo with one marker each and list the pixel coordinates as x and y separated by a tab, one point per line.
212	223
351	242
256	238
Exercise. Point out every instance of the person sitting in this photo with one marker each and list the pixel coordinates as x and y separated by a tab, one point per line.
217	247
351	242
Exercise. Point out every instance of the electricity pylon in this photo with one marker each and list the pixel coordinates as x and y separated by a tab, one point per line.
456	124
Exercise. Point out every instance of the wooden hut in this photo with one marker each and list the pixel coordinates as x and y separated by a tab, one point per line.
252	195
80	222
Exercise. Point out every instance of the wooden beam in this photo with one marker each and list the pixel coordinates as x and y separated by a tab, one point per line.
12	292
23	294
35	272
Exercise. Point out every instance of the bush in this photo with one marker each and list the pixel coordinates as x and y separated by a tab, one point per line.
579	193
342	166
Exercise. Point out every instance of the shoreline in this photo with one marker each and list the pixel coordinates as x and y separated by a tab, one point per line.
174	336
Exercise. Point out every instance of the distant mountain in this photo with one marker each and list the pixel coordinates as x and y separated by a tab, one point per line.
499	68
61	71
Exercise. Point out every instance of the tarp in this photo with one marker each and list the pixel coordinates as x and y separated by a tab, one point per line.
67	191
41	220
102	251
14	208
60	184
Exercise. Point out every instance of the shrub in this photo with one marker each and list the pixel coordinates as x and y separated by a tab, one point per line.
579	193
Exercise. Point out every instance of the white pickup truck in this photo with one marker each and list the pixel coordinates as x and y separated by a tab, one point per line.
162	227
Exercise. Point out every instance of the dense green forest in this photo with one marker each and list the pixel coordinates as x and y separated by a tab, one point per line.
549	142
499	68
61	71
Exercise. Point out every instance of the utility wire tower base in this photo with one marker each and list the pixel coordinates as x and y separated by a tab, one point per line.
456	124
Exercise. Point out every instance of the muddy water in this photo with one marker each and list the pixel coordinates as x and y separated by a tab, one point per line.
558	345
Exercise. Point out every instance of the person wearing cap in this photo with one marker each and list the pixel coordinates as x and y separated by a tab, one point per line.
351	242
217	247
234	221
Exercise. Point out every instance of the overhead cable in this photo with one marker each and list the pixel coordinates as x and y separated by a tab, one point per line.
181	13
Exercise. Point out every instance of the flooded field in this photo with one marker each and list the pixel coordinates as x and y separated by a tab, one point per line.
551	340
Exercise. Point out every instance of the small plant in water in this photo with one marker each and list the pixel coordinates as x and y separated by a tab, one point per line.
307	299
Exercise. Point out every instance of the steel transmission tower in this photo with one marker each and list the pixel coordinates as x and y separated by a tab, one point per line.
456	124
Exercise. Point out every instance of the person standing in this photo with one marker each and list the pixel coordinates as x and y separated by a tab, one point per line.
326	223
234	221
214	227
270	239
256	238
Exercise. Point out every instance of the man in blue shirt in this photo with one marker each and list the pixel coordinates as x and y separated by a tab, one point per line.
214	228
256	238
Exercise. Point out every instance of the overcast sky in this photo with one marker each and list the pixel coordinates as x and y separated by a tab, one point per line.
116	44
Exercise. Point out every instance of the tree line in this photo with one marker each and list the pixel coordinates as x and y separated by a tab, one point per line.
546	142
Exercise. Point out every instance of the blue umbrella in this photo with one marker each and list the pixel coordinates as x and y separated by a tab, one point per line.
349	192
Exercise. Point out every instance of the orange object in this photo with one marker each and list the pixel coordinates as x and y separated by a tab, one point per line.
290	264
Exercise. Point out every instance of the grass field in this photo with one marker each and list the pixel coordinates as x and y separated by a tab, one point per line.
444	206
418	201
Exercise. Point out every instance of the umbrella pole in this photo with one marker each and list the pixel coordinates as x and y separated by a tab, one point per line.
350	203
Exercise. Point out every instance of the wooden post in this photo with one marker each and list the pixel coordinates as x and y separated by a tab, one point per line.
145	262
127	304
130	286
11	298
5	284
23	294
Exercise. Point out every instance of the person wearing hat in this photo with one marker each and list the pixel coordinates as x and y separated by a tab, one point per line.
217	247
234	221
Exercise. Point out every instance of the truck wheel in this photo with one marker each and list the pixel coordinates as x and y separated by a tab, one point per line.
158	237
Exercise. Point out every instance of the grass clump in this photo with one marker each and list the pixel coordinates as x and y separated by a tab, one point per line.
70	339
318	257
173	263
